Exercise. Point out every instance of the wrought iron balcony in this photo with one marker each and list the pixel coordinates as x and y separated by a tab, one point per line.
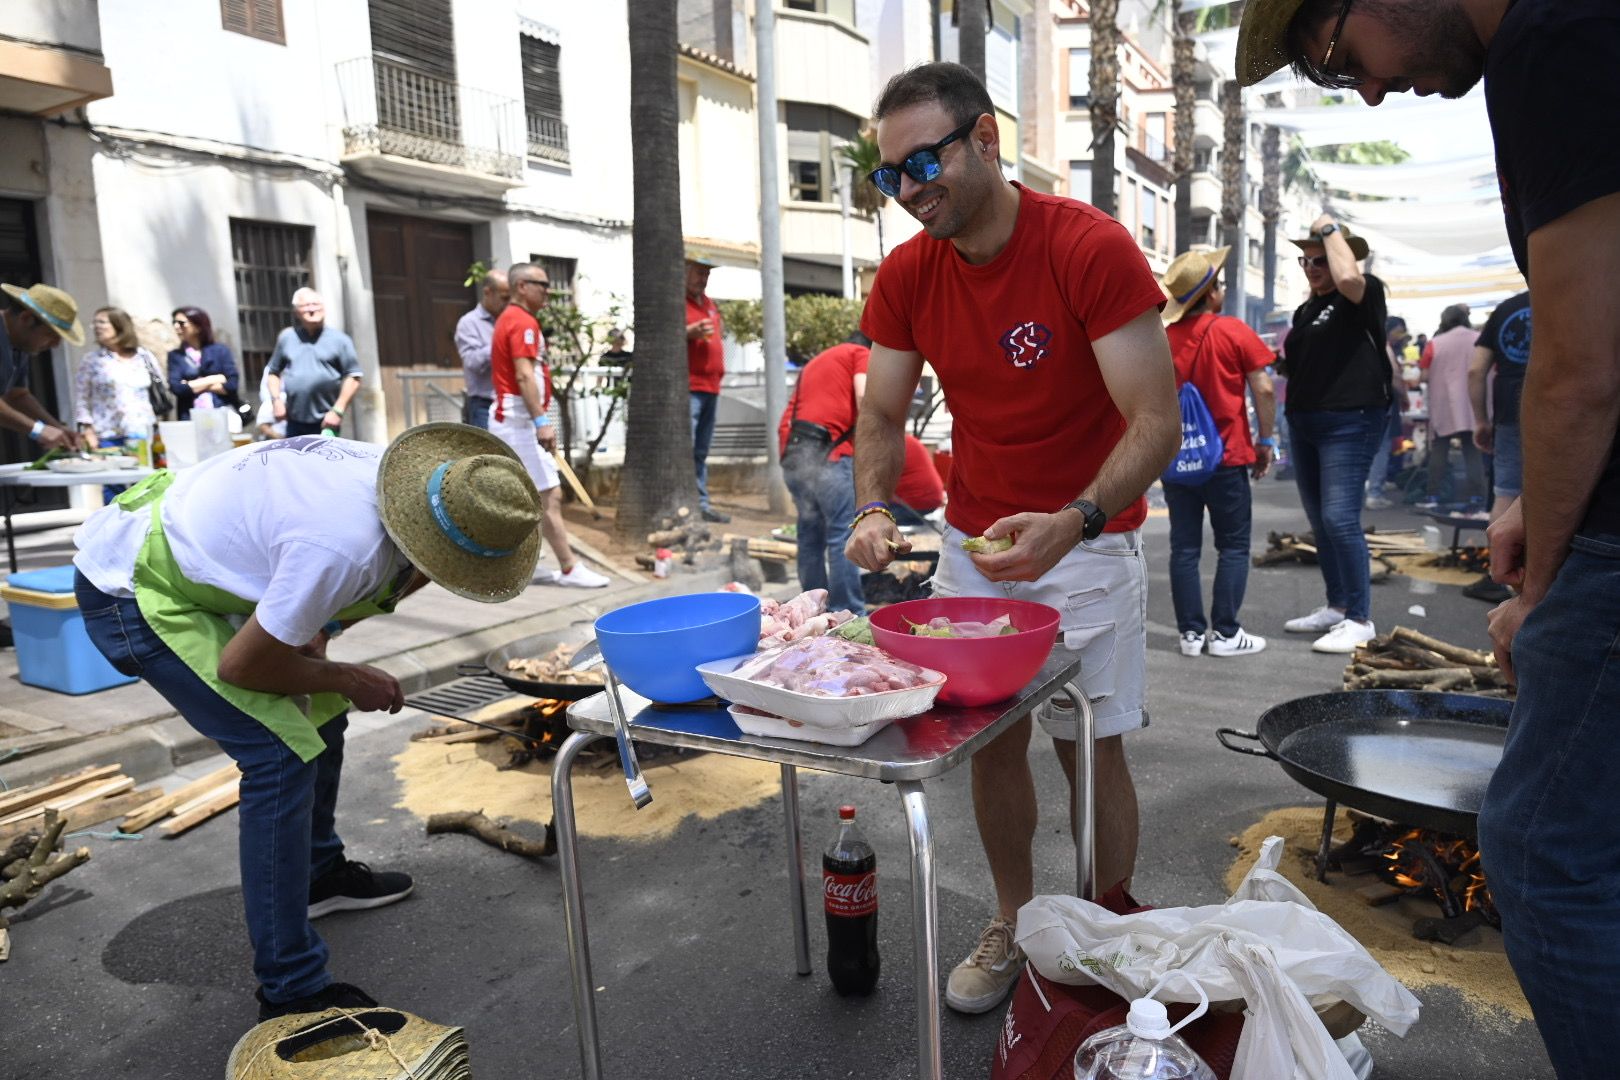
394	111
548	137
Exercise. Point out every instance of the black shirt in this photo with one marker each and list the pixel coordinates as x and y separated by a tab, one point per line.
1334	359
1507	335
1551	93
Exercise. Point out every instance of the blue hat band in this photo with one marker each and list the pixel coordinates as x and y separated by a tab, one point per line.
55	320
441	518
1192	292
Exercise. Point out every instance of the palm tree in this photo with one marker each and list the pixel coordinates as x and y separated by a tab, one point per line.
862	156
658	473
1271	204
1184	82
972	16
1234	153
1104	102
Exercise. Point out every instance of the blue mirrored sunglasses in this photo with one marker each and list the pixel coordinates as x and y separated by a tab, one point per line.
922	165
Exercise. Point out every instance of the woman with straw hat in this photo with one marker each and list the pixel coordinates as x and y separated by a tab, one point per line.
1339	393
221	588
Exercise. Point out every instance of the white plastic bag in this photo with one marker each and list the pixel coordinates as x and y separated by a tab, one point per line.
1076	942
1281	1035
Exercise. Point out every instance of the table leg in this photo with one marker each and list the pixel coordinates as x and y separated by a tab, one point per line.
579	948
1327	841
795	846
1085	796
11	537
924	929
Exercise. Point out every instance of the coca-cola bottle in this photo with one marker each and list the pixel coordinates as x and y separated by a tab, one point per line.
849	895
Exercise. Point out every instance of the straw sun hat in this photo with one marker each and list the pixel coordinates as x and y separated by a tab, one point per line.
54	307
350	1044
1188	278
461	506
1262	45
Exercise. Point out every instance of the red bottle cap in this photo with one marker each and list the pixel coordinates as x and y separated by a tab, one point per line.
846	813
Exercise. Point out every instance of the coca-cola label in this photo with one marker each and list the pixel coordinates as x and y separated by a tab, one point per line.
849	895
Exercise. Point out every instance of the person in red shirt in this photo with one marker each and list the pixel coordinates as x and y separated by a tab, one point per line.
1223	358
705	364
919	490
522	382
816	436
1040	317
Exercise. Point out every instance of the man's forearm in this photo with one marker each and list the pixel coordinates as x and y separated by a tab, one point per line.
346	392
1568	418
1143	452
529	388
880	452
1265	410
272	386
14	418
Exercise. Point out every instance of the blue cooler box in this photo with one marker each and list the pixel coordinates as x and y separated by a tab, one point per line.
53	651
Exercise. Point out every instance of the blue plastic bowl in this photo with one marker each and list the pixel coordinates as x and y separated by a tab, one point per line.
655	647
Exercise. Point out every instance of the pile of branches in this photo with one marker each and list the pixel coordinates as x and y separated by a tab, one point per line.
1301	548
28	864
1405	659
684	533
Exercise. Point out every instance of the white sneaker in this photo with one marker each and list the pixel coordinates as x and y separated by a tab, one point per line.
1192	643
1241	643
1344	637
545	575
583	577
979	983
1323	618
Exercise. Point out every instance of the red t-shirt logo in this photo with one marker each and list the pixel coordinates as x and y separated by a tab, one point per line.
1025	344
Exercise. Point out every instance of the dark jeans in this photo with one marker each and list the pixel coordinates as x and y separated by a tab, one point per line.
1440	465
476	411
1548	831
1226	496
1332	452
703	410
824	494
287	833
302	427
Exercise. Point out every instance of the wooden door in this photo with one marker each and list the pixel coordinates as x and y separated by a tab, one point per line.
417	269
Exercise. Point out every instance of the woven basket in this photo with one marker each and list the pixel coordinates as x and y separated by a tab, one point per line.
350	1044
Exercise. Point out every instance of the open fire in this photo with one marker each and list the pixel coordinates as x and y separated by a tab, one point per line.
1421	862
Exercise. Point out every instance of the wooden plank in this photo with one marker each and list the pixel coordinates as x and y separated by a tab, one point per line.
12	801
202	811
207	796
68	800
165	806
87	815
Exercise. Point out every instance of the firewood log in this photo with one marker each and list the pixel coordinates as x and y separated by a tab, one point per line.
474	823
1456	653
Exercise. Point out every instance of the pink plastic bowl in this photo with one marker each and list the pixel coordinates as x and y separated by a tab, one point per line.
977	670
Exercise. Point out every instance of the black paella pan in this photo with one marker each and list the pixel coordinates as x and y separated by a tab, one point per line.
530	648
1416	757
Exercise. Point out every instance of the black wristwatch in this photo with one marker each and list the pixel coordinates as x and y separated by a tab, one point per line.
1328	230
1093	515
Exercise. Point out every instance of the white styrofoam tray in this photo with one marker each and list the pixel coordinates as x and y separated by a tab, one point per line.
780	727
817	710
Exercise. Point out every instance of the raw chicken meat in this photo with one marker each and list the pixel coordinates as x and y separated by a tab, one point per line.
833	667
805	615
940	626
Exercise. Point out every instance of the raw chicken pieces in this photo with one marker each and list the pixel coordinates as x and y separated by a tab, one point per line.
940	626
804	616
833	667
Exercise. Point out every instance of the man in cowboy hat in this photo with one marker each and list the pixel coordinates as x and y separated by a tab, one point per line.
1549	837
705	366
1221	357
220	588
35	319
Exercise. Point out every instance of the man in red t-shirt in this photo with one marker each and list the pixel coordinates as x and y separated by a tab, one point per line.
816	438
1222	358
1041	319
919	490
520	417
705	364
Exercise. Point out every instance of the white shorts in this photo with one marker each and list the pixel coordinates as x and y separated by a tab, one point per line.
517	431
1100	589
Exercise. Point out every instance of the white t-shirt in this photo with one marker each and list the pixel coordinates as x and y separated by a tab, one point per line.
290	525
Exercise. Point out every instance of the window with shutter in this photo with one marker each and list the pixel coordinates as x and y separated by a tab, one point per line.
417	33
560	272
814	134
542	98
256	18
271	261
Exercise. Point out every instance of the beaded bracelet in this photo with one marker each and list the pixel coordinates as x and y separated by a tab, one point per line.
872	508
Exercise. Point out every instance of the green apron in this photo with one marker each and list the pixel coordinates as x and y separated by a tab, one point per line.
192	619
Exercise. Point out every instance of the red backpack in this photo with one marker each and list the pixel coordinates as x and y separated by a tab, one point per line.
1048	1021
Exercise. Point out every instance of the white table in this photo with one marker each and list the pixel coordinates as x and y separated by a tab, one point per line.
19	476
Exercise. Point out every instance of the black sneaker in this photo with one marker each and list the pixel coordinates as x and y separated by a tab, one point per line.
336	996
711	514
354	886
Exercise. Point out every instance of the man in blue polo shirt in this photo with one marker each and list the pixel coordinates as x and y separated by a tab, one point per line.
314	372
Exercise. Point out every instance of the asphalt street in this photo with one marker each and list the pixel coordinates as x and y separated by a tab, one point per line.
137	965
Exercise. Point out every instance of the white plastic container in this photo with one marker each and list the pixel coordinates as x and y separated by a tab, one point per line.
779	727
1145	1046
179	442
833	716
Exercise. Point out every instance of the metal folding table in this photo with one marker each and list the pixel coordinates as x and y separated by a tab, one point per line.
905	754
19	476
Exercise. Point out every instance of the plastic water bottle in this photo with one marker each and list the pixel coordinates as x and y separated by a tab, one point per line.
1145	1046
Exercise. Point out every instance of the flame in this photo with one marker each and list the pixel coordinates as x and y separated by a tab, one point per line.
1458	858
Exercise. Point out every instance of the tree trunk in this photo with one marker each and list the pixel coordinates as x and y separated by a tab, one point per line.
1233	154
1104	103
658	471
970	33
1183	80
1271	205
933	27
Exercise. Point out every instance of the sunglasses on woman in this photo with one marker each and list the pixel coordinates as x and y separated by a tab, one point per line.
1318	261
921	165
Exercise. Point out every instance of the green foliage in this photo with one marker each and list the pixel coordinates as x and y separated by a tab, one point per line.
815	322
475	273
862	157
1380	152
575	340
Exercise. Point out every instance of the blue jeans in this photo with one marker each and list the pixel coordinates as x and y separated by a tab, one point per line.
1509	461
476	411
1227	498
288	836
1332	451
824	494
703	410
1548	832
1378	474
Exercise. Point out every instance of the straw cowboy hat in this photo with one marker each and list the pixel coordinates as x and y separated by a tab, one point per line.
700	257
1188	278
1358	246
54	307
461	506
1262	45
350	1044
